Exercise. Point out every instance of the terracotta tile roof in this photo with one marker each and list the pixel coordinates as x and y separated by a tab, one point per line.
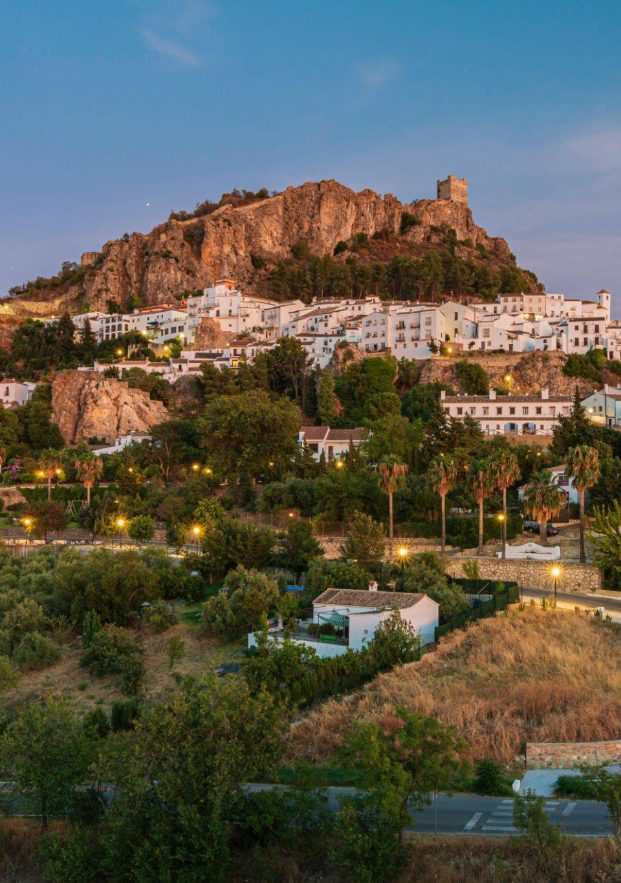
324	433
362	598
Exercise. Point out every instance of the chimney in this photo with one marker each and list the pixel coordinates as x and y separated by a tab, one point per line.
373	586
492	395
545	393
442	395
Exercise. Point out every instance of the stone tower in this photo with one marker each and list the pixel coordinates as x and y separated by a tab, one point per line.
453	189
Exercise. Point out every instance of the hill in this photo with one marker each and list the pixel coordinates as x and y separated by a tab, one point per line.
316	239
502	682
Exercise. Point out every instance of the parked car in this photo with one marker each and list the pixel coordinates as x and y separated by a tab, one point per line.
533	527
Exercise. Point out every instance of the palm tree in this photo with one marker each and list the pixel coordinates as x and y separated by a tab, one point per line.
442	475
50	464
543	500
88	468
583	467
392	474
482	484
505	471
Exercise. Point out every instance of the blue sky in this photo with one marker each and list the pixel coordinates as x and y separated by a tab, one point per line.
109	106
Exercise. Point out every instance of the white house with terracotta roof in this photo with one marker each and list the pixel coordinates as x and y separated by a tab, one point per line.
355	615
332	443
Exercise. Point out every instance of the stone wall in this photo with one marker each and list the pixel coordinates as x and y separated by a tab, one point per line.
332	546
564	755
534	574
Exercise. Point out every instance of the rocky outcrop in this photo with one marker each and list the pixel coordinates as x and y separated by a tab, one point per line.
209	335
529	372
86	405
248	239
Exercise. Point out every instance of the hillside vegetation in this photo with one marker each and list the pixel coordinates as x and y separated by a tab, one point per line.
531	675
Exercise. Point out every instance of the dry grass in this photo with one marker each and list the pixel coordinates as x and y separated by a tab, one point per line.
527	676
19	844
68	679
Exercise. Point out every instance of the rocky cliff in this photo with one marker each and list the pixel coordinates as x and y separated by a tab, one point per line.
250	239
86	405
525	373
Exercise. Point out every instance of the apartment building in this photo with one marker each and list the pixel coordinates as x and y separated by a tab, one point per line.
408	332
509	415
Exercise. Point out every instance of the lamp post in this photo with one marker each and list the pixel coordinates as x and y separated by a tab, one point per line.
503	533
556	572
27	522
403	553
196	532
120	523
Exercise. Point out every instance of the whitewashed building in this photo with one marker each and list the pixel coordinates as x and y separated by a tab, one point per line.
355	616
603	406
511	414
14	393
332	444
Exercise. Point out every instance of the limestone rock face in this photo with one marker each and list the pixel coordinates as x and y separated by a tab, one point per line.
189	255
86	405
209	335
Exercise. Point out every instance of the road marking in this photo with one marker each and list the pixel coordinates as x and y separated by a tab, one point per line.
569	808
499	829
475	818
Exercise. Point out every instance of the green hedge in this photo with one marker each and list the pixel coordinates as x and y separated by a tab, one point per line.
499	601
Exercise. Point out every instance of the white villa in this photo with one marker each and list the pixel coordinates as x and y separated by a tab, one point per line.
511	414
14	393
355	616
332	443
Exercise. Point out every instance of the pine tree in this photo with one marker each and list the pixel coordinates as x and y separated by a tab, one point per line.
326	410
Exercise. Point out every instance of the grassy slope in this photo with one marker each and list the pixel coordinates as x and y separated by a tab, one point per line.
68	679
528	676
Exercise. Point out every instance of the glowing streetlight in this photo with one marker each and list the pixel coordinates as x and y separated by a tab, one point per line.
27	521
40	473
502	519
208	470
119	352
507	378
291	515
555	572
339	464
196	467
402	554
449	350
197	530
120	524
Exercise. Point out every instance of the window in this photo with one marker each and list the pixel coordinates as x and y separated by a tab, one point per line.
485	412
537	410
499	412
511	410
576	341
456	317
525	412
460	411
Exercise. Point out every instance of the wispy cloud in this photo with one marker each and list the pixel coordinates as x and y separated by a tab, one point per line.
601	151
170	48
377	74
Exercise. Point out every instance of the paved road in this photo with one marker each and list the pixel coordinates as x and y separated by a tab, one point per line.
493	816
611	603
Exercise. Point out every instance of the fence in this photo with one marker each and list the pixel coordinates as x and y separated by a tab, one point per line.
500	596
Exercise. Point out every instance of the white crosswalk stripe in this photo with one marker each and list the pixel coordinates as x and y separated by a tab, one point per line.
569	808
472	822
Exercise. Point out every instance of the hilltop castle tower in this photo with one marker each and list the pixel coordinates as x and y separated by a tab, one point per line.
453	189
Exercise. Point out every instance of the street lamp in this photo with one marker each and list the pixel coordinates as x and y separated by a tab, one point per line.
208	470
403	553
120	523
196	467
501	518
555	572
339	464
27	522
196	532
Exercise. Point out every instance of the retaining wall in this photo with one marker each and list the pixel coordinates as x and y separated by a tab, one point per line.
565	755
534	574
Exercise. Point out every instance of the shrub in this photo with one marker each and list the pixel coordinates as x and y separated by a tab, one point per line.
36	651
90	627
576	786
408	220
473	378
160	616
490	778
96	723
123	714
114	650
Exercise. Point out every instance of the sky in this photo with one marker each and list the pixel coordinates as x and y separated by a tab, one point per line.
114	113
